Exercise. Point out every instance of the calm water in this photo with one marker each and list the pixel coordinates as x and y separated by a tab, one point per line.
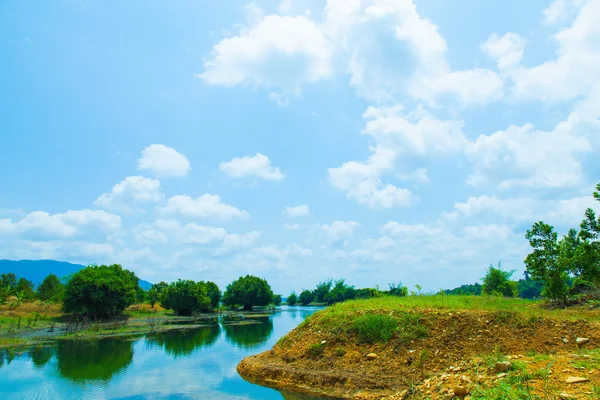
193	364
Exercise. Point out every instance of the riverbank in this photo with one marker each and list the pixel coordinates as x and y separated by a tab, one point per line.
437	347
32	324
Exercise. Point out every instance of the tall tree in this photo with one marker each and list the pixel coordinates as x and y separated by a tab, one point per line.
248	291
545	264
292	299
51	289
185	297
24	289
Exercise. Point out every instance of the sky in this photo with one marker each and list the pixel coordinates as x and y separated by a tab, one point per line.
379	141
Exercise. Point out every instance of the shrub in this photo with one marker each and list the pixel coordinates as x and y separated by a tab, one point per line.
340	352
100	291
316	350
374	328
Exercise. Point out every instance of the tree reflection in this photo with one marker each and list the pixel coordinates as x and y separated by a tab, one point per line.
80	360
249	335
40	355
182	343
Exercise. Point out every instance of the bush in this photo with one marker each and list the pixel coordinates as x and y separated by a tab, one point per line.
51	289
292	299
248	291
185	297
374	328
316	350
100	291
306	297
277	299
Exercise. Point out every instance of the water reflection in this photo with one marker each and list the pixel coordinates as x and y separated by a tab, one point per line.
249	335
189	364
40	355
184	343
80	360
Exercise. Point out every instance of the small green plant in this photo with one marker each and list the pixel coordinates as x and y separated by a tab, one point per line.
372	328
340	352
316	350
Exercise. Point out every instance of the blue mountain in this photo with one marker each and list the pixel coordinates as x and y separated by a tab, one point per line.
37	270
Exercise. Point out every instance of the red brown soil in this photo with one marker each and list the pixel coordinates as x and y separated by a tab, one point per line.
454	339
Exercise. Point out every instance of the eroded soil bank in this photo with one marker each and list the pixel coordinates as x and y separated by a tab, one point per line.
453	354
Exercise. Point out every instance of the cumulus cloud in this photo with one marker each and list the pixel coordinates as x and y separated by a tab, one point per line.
205	206
523	156
560	10
340	230
258	166
276	52
164	161
298	211
507	50
361	181
278	254
574	70
71	224
130	193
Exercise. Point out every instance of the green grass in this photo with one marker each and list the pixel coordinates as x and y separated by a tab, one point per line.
372	328
505	306
316	350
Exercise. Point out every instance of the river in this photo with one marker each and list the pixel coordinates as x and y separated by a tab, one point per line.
176	365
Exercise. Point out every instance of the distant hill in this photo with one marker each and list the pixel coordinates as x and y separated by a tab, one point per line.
37	270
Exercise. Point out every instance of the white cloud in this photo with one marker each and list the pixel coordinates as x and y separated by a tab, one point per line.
129	193
361	181
487	232
396	229
277	52
71	224
164	161
258	166
523	156
291	227
575	68
339	230
279	254
205	206
561	212
507	50
298	211
415	133
560	10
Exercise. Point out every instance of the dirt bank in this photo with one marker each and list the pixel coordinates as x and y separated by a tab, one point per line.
325	356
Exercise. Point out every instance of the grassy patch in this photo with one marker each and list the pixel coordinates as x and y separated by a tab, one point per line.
374	328
316	350
340	352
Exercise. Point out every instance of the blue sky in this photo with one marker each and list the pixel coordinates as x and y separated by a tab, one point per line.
377	141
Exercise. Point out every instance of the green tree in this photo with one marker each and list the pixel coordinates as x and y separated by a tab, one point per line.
497	282
155	292
292	299
100	291
185	297
248	291
214	294
340	292
25	290
8	282
544	262
306	297
277	299
398	289
321	291
51	289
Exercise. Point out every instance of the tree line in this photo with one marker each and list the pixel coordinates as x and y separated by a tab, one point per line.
330	292
15	291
